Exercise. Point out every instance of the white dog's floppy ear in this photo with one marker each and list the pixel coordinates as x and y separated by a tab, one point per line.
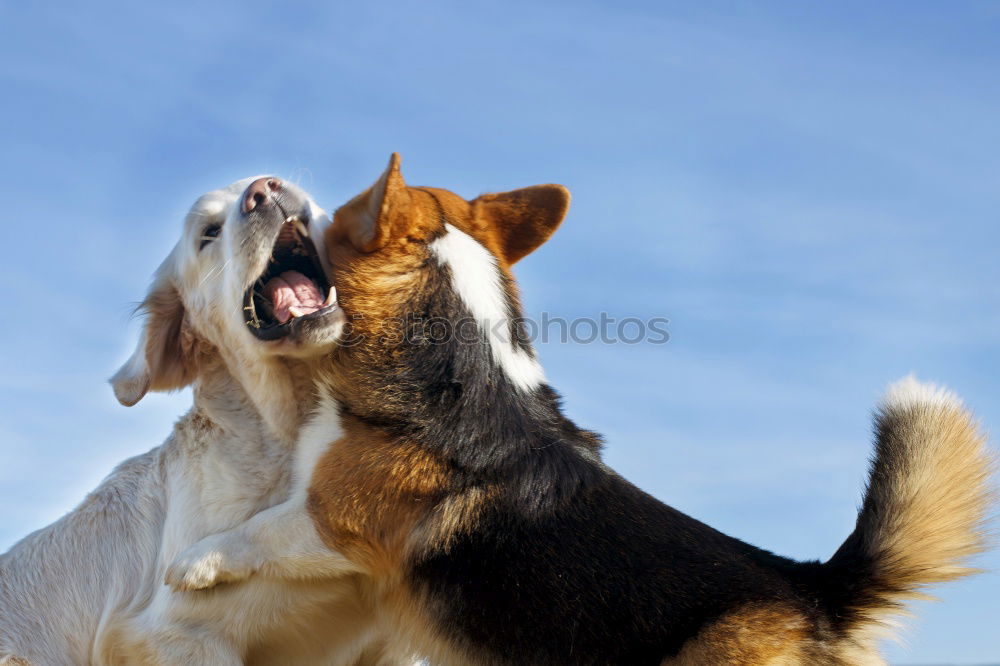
165	358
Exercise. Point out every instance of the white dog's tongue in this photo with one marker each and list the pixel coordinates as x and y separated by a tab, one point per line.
290	290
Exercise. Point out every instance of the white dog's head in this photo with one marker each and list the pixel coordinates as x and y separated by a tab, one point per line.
247	282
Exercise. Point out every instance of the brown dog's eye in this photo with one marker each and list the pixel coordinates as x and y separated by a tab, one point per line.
209	235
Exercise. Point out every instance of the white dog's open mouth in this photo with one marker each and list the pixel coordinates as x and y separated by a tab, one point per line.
292	289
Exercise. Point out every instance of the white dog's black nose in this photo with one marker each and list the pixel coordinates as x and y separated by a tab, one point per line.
259	193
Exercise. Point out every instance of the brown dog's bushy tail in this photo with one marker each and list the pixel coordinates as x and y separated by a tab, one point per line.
924	512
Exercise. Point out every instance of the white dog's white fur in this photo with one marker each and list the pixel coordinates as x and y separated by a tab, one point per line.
89	589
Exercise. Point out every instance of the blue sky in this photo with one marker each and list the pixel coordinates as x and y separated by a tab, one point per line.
810	193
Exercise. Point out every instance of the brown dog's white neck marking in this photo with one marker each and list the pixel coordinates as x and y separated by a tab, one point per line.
476	279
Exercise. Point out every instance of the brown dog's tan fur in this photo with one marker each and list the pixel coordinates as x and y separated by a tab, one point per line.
369	493
766	634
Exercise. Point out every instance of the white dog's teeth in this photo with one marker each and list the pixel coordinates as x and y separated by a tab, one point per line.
331	297
295	312
302	228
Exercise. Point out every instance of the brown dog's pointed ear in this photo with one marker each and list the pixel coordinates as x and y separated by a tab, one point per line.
367	218
521	220
165	358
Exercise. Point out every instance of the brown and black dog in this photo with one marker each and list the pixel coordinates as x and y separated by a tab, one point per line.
443	468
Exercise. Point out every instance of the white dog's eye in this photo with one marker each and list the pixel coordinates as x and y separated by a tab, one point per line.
209	234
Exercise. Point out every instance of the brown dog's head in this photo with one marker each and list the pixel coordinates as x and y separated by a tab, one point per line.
415	264
390	215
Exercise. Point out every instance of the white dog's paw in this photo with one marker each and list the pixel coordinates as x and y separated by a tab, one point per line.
211	561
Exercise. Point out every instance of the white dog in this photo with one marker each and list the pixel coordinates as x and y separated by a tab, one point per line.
237	309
